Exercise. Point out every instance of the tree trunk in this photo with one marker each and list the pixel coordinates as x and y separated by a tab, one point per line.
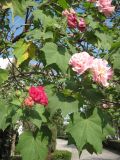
5	143
13	144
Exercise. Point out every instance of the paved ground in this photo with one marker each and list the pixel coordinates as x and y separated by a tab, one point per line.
106	155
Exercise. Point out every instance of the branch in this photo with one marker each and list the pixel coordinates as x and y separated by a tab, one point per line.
25	26
117	104
18	37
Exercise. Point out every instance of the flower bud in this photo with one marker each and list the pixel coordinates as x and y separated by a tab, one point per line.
28	102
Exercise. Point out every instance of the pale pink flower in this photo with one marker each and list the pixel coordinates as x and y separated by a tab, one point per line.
81	24
105	7
108	10
101	71
80	62
71	17
72	11
65	12
105	106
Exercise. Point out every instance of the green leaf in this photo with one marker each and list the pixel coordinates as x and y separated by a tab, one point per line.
17	102
106	123
33	147
66	104
48	35
47	21
114	54
56	55
108	130
36	115
6	4
63	4
18	7
4	111
3	75
92	22
104	40
34	118
17	115
71	47
116	45
37	34
93	95
23	51
115	58
36	121
86	131
91	37
41	110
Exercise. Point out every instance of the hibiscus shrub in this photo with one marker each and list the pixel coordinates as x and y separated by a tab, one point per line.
61	155
65	57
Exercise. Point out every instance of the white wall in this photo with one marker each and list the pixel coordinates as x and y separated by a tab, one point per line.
5	62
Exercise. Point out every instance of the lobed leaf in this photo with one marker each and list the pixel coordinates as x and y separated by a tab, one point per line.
3	75
32	147
55	55
86	131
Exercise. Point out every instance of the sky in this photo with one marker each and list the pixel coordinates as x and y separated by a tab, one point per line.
15	24
18	21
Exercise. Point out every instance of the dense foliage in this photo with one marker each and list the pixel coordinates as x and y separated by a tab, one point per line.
65	56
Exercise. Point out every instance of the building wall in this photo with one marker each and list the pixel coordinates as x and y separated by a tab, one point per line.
5	62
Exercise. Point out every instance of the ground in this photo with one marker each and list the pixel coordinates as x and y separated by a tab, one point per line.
106	154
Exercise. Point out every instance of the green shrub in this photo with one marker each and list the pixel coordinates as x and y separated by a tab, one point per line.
57	155
61	133
61	155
